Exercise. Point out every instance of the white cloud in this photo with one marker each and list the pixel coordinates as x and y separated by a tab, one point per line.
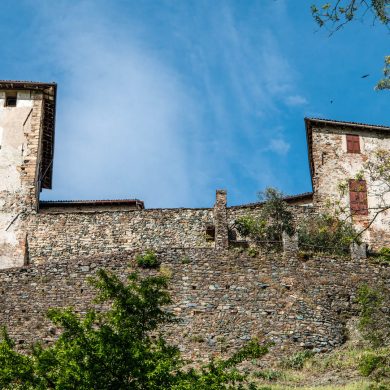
296	100
122	113
167	128
279	146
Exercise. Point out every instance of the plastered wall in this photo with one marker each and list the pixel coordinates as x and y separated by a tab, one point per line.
333	166
19	144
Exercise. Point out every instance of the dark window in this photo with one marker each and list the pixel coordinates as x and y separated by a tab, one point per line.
10	101
210	232
353	143
358	197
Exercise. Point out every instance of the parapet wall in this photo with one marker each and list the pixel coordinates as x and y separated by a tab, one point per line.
222	297
73	235
77	234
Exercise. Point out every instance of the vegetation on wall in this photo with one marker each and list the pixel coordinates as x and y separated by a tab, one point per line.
147	260
374	325
266	229
327	234
119	348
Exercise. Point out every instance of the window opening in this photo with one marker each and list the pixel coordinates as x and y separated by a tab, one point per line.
10	100
358	197
353	143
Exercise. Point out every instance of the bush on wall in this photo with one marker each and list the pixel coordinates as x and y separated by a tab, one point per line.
326	233
266	229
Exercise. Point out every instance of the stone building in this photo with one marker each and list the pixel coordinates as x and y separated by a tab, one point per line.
223	297
34	231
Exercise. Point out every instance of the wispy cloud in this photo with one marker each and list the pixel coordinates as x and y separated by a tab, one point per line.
296	100
166	122
279	146
122	114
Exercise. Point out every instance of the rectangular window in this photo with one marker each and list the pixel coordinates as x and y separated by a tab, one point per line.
358	197
353	143
10	100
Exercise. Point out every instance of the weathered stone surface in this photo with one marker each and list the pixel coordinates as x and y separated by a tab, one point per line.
333	165
223	298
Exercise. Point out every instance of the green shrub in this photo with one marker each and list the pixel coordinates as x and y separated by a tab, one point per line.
374	322
185	260
326	233
297	360
274	218
269	375
369	363
252	252
383	255
147	260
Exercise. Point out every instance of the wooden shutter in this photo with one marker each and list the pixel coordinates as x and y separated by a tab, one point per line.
353	143
358	197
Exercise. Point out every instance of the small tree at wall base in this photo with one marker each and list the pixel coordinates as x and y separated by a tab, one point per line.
119	348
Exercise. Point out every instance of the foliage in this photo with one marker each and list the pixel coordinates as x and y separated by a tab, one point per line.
326	233
297	360
252	252
374	323
274	218
369	362
376	365
147	260
340	12
382	256
119	348
269	375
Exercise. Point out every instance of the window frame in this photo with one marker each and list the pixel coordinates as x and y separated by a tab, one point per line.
13	96
358	199
353	143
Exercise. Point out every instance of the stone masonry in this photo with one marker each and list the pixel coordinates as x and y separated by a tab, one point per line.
223	296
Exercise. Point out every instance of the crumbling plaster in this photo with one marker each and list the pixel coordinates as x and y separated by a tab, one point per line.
334	166
20	129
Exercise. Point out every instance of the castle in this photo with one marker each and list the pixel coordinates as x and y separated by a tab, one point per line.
34	231
47	248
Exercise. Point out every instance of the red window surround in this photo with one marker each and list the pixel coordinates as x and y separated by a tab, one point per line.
358	197
353	143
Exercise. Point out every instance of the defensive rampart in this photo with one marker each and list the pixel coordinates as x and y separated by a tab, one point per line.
222	297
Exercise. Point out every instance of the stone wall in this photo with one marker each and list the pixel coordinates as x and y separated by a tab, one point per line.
77	234
222	297
73	235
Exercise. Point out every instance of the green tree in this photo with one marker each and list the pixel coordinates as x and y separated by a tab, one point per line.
274	218
117	348
336	14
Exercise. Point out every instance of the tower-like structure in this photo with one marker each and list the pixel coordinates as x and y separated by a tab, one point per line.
338	153
27	118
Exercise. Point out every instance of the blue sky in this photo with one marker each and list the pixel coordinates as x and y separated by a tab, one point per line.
166	101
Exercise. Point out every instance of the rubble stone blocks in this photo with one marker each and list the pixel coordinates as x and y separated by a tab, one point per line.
223	296
358	251
290	243
220	221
